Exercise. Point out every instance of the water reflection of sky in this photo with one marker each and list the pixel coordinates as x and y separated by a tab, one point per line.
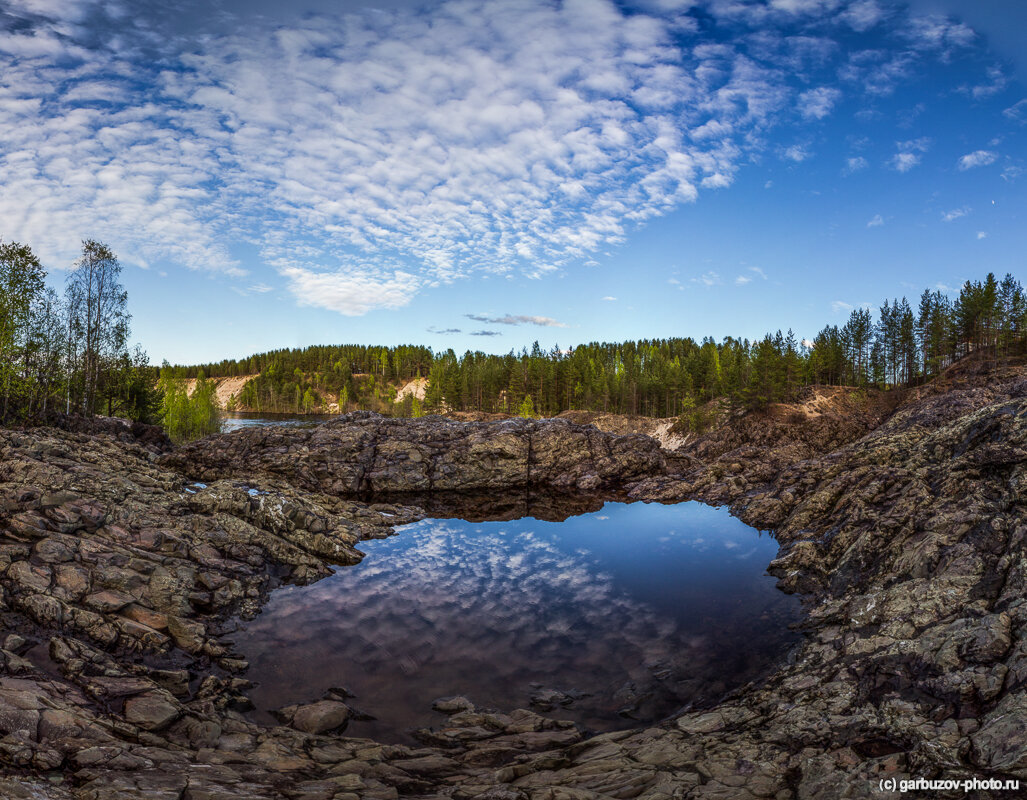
644	607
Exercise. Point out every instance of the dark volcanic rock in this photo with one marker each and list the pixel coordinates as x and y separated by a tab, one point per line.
363	453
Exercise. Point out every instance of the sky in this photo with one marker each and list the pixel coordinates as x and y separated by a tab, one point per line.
480	174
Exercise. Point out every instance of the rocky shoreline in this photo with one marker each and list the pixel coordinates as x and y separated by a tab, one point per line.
123	564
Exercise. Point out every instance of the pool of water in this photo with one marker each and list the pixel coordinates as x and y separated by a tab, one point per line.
233	420
611	618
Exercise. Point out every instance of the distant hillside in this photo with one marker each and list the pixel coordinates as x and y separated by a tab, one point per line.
227	388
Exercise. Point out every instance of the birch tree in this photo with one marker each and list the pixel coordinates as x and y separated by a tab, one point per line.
97	318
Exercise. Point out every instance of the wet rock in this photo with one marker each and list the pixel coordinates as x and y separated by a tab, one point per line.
452	705
319	717
108	601
151	712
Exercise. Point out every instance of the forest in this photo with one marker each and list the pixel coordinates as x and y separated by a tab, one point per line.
69	354
903	346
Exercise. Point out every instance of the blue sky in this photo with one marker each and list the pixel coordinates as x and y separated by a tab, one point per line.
480	174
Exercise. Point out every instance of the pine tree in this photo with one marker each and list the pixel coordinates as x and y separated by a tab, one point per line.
527	408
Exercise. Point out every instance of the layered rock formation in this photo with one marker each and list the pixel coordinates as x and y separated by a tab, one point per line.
363	454
121	576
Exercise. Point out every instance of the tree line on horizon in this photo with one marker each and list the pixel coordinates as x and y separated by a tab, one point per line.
651	377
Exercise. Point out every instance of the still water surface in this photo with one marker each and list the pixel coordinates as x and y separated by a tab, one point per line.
626	614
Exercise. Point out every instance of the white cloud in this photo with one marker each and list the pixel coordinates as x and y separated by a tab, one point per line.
938	33
817	103
709	278
978	158
997	81
876	221
371	154
804	6
855	164
741	280
954	214
351	292
759	272
1011	173
878	72
716	181
982	235
863	15
609	299
838	306
904	162
1017	111
480	136
921	145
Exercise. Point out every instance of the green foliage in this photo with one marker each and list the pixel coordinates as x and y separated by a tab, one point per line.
299	381
189	416
21	290
527	408
97	310
136	394
69	354
695	418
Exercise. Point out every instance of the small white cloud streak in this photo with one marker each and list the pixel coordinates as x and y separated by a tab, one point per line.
904	162
863	15
818	103
518	319
855	164
954	214
797	153
978	158
839	305
876	221
1017	112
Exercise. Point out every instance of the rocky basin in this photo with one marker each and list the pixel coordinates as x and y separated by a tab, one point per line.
124	566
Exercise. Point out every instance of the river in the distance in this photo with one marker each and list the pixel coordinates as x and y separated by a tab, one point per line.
612	618
234	420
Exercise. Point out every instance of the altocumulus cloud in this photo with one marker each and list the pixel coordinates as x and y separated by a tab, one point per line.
369	155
